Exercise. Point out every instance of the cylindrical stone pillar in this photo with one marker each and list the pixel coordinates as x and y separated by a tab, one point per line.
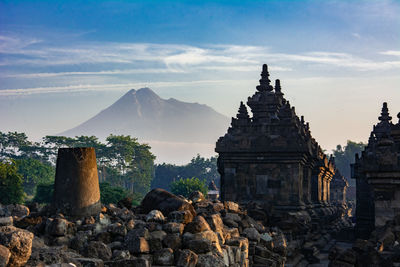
76	189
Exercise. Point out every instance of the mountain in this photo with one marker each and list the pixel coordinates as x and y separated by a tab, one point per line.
143	114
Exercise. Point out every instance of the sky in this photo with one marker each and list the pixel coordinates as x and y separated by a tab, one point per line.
61	62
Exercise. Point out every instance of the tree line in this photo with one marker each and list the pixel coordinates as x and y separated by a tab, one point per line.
125	166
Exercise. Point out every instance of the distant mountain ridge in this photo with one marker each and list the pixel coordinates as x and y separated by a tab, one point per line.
143	114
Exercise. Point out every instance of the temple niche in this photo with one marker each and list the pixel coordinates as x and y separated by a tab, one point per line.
377	174
272	159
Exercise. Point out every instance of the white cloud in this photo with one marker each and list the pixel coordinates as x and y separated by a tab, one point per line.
106	87
391	53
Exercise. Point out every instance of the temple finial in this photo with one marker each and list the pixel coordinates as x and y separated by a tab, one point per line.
264	81
385	113
277	85
242	113
371	138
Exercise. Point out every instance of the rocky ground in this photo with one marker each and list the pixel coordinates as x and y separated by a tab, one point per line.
164	231
167	230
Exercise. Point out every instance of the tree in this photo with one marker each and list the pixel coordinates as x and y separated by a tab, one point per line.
33	173
132	162
344	156
112	194
44	193
204	169
10	184
186	186
165	174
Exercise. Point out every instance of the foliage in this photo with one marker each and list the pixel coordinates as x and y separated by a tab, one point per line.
121	160
204	169
344	156
186	186
112	194
33	173
10	184
44	193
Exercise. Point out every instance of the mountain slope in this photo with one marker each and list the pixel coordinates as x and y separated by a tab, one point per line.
143	114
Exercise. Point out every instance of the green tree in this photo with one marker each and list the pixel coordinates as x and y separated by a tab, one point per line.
112	194
44	193
33	173
165	174
344	156
10	184
186	186
204	169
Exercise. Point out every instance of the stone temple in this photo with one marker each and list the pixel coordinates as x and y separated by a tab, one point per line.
377	174
271	160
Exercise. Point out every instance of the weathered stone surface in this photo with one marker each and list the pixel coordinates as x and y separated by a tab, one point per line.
215	222
6	221
27	221
4	256
155	216
120	255
117	229
252	234
57	227
173	227
164	257
77	170
99	250
159	199
172	241
200	246
133	262
89	262
137	245
18	210
231	206
18	242
184	216
199	224
196	196
187	258
207	260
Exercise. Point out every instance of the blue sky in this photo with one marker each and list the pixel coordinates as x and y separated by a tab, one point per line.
63	61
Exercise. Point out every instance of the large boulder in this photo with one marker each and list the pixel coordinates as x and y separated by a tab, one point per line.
164	201
18	242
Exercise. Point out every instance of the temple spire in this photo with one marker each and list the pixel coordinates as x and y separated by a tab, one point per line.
242	113
385	114
264	81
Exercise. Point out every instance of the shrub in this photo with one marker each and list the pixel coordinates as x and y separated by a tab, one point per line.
186	186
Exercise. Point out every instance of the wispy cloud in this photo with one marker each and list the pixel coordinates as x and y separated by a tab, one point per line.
122	59
106	87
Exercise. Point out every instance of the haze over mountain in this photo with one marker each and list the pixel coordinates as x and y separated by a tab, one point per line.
175	130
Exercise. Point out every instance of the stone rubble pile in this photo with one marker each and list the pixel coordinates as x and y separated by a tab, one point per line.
381	249
165	230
